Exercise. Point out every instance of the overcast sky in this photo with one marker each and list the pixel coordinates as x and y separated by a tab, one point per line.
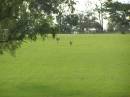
82	4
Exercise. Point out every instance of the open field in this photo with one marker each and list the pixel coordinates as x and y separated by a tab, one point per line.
94	66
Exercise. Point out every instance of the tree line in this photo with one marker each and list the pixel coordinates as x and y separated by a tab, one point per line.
117	15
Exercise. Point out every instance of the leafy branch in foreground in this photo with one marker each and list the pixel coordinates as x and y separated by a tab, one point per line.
21	19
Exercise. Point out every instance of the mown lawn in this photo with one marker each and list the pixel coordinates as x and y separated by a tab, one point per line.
94	66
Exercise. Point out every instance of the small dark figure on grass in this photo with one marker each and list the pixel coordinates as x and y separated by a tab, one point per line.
57	39
70	43
53	35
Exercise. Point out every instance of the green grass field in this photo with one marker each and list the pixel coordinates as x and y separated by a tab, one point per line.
94	66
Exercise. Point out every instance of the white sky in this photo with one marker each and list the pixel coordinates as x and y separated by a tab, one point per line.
82	4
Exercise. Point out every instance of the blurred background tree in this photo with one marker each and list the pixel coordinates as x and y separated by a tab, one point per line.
117	18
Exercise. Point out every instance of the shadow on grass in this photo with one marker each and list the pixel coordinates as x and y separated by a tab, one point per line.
37	90
52	90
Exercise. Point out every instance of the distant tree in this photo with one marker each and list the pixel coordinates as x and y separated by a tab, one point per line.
81	23
117	15
99	9
68	23
87	22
